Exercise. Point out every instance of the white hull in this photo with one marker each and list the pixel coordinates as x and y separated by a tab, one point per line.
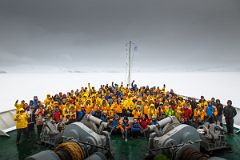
7	123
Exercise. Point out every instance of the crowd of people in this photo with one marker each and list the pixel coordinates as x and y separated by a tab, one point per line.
116	103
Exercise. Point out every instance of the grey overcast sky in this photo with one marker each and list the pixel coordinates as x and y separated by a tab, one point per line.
183	34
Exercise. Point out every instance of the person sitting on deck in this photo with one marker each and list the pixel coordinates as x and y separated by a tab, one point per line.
57	115
124	126
154	121
114	122
144	122
187	112
104	116
135	127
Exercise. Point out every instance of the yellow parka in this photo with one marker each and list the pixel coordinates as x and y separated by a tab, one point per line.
117	108
111	113
152	112
21	120
19	106
179	112
48	99
136	113
215	111
88	108
145	109
202	114
128	104
98	101
196	112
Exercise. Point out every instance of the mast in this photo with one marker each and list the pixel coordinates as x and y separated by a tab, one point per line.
129	61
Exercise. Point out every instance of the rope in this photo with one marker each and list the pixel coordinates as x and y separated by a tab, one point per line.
191	154
73	149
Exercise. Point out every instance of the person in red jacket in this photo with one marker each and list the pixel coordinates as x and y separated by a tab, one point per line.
144	122
186	113
57	116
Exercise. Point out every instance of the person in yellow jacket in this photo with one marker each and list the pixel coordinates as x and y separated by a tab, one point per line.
196	114
48	99
145	108
181	101
125	104
117	107
202	115
77	104
215	113
179	112
137	113
152	112
66	110
72	113
111	112
166	106
203	103
19	106
129	104
99	100
21	119
88	106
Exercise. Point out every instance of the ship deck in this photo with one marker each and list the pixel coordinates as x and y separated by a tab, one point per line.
133	149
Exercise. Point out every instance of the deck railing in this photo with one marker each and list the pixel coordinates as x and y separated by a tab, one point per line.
7	123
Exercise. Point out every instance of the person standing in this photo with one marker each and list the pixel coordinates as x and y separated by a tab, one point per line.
39	119
229	113
21	119
31	120
219	107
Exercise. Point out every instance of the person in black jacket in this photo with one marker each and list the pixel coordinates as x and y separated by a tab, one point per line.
229	112
219	107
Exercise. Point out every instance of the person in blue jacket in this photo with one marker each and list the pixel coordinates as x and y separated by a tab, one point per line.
210	113
81	113
134	86
154	121
135	127
104	116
